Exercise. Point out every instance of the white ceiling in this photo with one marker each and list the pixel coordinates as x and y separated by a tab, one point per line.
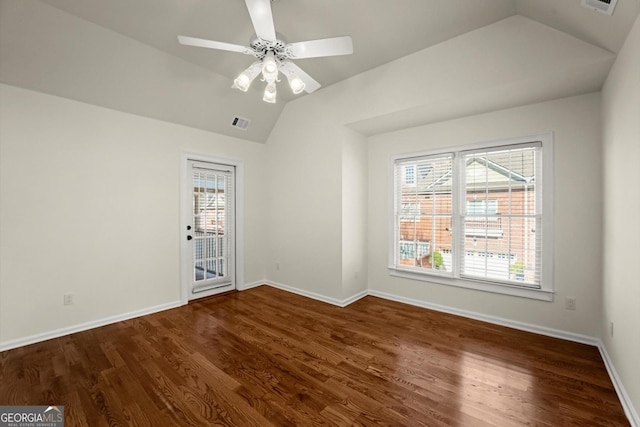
382	31
607	32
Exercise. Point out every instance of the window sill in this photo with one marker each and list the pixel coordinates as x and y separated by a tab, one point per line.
537	294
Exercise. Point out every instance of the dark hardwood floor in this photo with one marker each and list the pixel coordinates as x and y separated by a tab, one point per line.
265	357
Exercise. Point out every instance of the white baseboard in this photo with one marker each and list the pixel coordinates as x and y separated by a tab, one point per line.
541	330
625	399
251	285
354	298
333	301
56	333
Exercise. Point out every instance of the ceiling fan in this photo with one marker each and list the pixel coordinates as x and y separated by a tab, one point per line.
274	54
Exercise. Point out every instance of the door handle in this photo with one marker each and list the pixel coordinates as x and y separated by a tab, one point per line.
189	237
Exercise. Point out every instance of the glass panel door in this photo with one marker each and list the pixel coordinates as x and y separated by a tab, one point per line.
212	230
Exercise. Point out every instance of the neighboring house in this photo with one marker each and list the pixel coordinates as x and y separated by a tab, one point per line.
499	214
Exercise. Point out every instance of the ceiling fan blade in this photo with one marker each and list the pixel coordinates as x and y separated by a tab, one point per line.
323	47
287	68
193	41
260	11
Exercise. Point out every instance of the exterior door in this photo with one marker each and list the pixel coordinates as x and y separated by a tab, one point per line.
211	229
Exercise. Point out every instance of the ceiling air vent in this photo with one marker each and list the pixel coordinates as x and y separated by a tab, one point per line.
240	123
602	6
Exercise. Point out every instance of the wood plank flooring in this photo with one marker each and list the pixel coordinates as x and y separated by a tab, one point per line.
265	357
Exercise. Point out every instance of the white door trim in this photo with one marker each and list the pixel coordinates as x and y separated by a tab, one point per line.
185	219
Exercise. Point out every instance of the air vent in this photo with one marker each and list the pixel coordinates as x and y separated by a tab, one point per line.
240	123
602	6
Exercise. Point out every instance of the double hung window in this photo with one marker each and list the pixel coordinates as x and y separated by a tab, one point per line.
477	216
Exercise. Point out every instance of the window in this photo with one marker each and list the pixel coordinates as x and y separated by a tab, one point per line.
482	207
410	250
431	222
409	175
481	215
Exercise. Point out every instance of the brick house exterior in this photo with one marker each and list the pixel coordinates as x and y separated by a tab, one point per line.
495	233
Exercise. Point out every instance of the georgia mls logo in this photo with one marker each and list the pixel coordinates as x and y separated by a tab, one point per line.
55	410
31	416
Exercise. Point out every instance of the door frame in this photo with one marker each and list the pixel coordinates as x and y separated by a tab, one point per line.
185	219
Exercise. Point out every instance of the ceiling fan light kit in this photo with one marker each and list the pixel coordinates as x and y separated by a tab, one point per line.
296	84
243	81
274	54
270	93
269	67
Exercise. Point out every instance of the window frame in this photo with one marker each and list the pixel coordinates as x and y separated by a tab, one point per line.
546	183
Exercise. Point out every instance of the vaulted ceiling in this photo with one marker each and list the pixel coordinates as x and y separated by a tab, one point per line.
81	48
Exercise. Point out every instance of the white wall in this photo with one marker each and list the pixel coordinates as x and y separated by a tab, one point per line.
304	175
354	214
576	125
312	167
621	284
90	205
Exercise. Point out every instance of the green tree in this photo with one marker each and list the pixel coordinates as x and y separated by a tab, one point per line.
438	261
517	269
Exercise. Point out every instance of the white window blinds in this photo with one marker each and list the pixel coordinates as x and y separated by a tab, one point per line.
502	215
424	212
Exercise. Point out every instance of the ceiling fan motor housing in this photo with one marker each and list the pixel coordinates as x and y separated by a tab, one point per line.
261	47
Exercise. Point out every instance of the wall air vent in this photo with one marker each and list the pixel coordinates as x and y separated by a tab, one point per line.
240	123
602	6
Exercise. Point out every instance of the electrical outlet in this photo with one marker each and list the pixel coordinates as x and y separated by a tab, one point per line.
68	299
570	303
278	266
